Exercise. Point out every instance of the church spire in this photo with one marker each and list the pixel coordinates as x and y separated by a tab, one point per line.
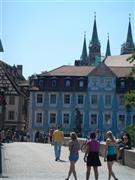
1	47
84	50
128	46
129	34
94	46
108	51
94	38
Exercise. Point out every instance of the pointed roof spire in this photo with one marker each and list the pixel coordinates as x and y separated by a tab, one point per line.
108	51
1	47
84	50
128	46
129	34
94	38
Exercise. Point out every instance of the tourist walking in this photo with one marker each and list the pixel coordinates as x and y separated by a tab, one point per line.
110	153
57	138
91	156
74	147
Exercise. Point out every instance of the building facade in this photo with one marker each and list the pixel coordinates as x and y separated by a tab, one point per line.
96	92
13	97
86	96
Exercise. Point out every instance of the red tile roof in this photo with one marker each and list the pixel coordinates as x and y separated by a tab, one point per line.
71	71
119	61
121	71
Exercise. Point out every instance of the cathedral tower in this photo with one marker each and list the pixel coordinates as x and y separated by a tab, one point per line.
128	46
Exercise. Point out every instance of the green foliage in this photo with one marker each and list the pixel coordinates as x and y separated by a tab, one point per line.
131	130
132	58
130	98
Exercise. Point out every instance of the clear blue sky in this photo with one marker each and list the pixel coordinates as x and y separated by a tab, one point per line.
43	35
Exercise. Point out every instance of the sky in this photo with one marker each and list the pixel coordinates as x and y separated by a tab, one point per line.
43	35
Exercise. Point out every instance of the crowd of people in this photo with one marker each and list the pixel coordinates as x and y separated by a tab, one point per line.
114	150
7	136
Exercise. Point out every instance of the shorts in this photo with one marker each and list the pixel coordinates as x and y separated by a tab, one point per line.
73	157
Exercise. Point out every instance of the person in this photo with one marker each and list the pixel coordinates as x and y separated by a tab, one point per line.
98	135
57	138
74	147
124	144
91	156
110	153
37	136
50	134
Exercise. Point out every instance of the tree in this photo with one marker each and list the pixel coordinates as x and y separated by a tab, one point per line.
132	58
130	96
131	130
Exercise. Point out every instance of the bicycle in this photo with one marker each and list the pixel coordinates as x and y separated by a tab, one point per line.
84	146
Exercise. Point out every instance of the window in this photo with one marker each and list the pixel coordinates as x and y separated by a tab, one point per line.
12	100
93	119
68	83
40	98
121	100
52	118
107	119
41	82
53	99
53	83
94	100
81	83
108	100
122	84
66	118
66	99
121	121
39	117
80	99
11	115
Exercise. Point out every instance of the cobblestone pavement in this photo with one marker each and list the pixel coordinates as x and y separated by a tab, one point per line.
35	161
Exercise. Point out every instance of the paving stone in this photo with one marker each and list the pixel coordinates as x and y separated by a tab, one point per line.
35	161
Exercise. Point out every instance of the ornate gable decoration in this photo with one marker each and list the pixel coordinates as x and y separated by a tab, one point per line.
102	70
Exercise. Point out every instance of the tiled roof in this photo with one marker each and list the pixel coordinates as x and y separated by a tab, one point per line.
119	61
12	75
121	71
71	71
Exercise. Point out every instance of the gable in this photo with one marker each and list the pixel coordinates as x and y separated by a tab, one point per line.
102	70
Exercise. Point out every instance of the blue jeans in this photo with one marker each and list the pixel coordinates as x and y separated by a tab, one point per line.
57	149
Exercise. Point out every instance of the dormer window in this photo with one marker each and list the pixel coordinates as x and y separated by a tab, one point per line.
122	84
41	82
68	83
54	83
81	83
